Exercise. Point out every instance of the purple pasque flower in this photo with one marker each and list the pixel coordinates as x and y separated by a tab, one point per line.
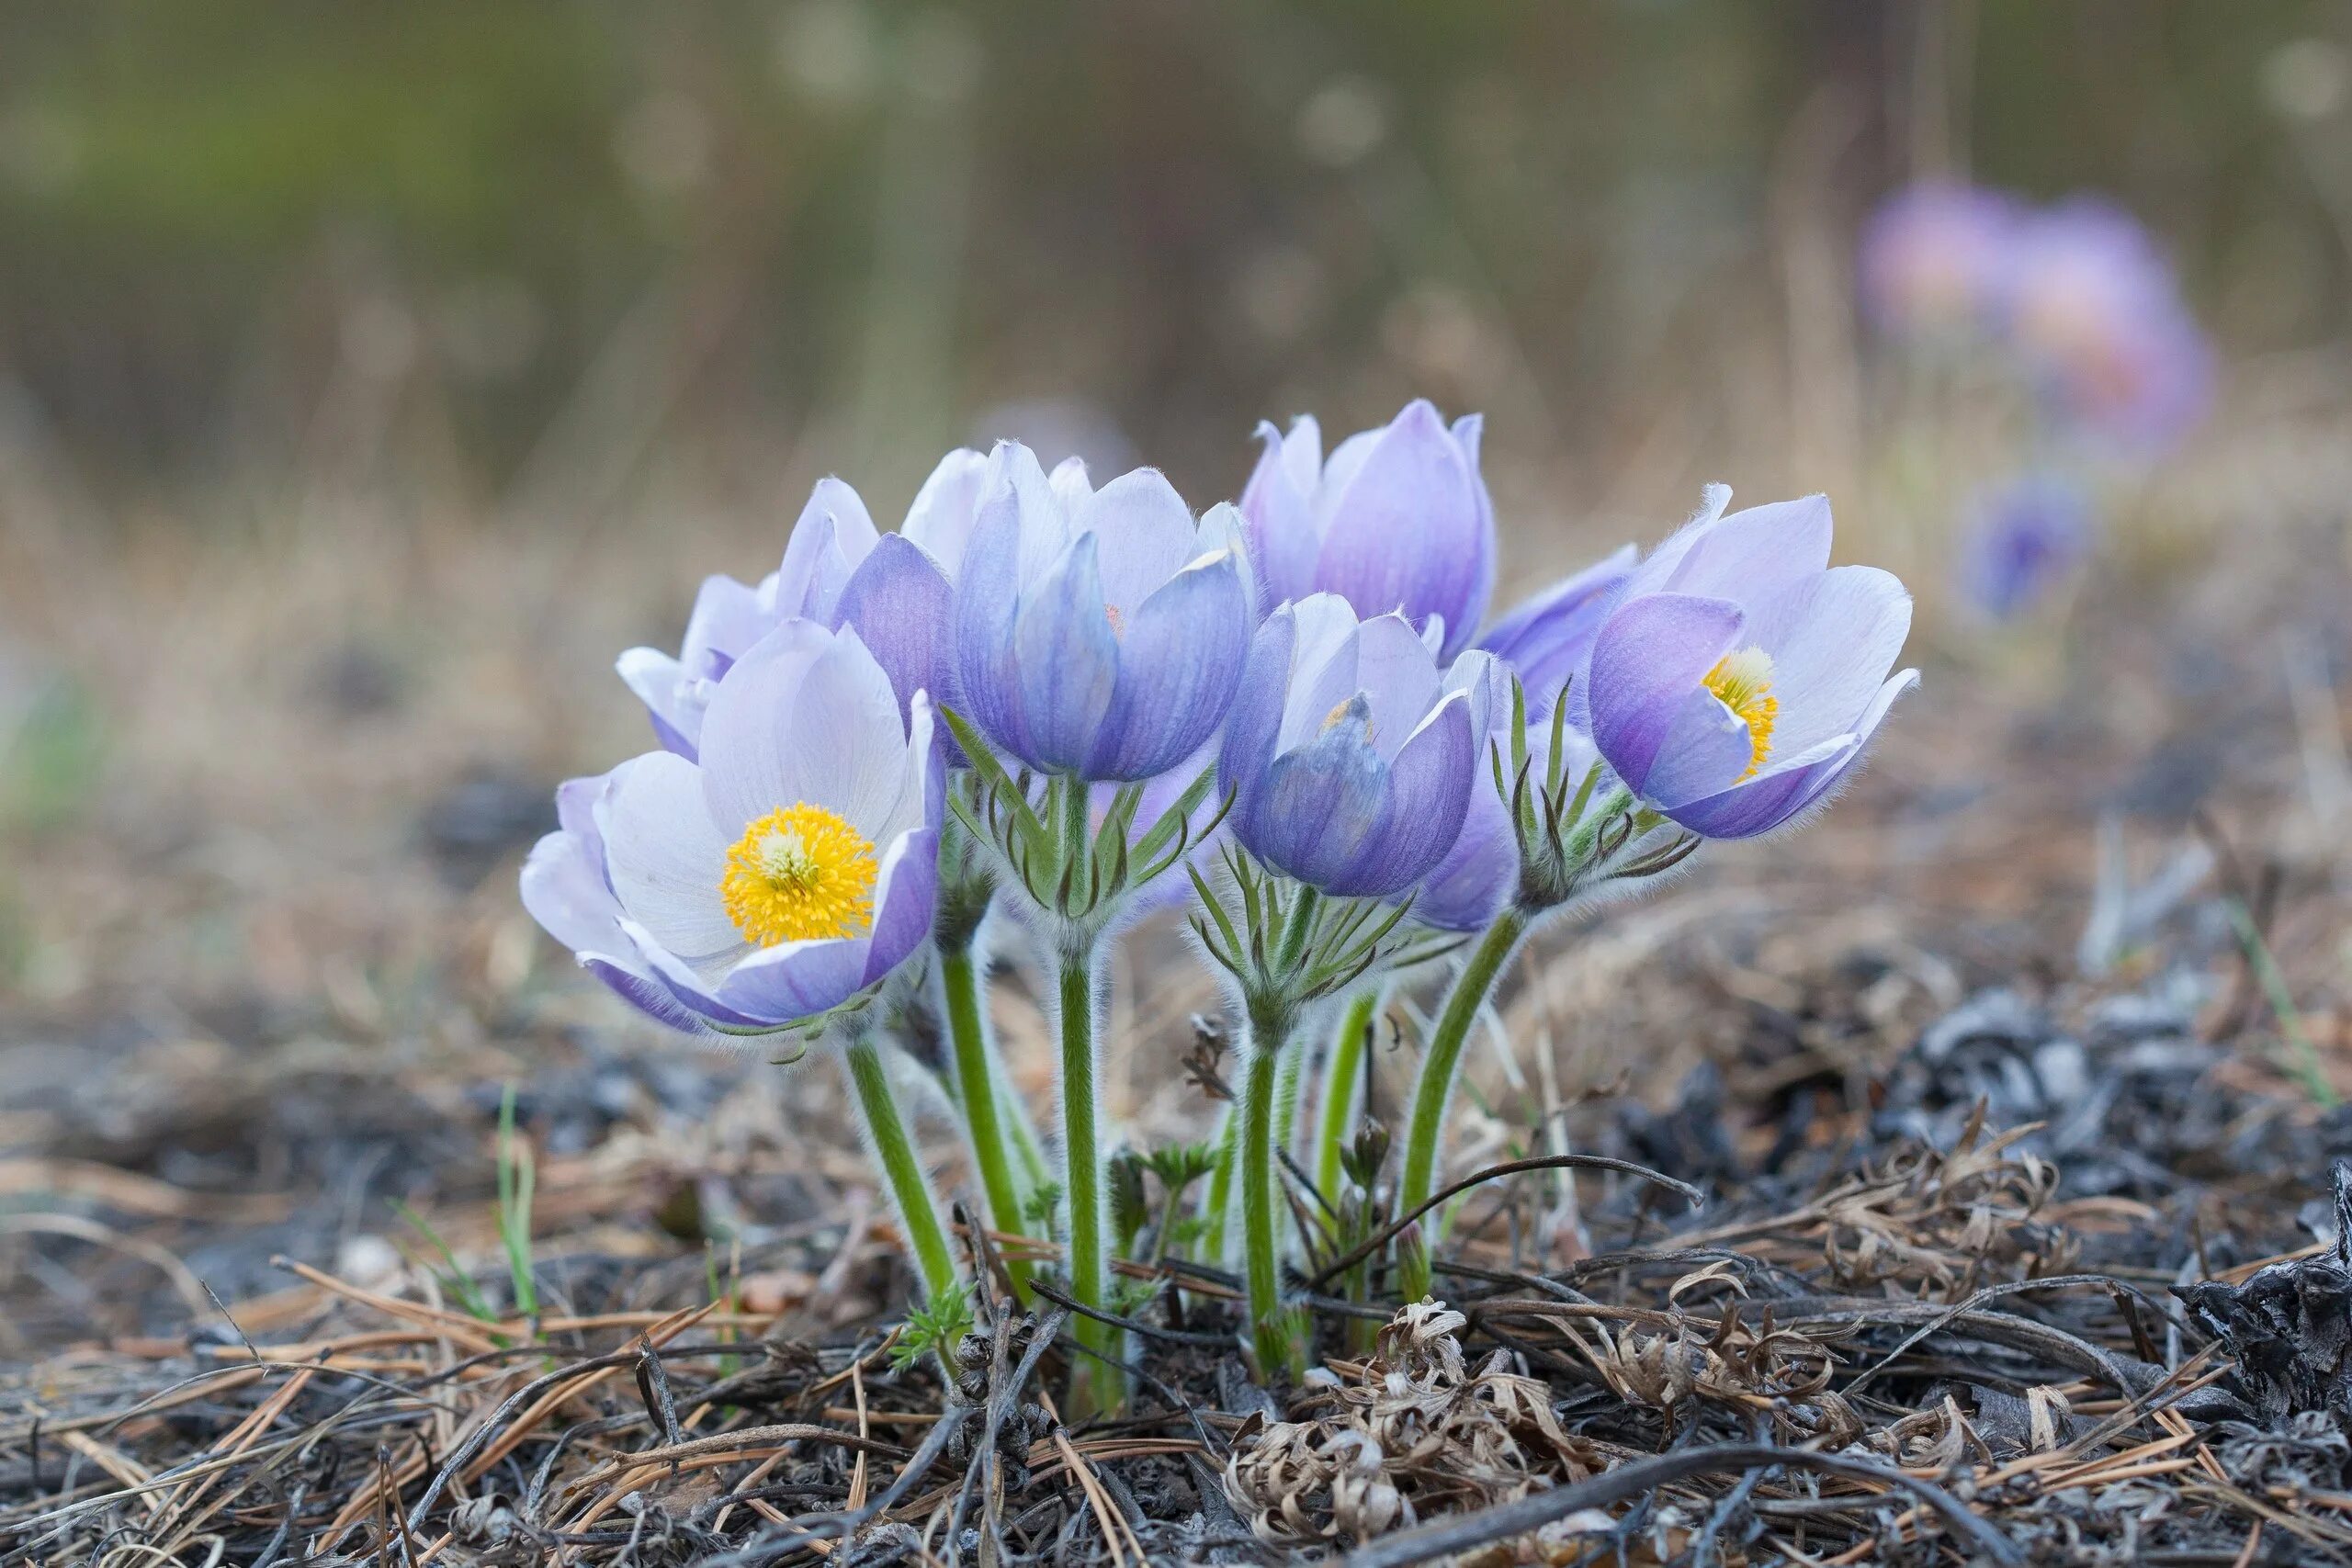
1098	633
1934	258
2019	540
789	868
1739	677
1350	760
1545	639
1397	519
838	570
2094	306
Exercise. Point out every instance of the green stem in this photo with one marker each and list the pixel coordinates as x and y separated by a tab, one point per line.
902	1171
1435	1089
1341	1082
1279	1354
1097	1386
1219	1204
976	1085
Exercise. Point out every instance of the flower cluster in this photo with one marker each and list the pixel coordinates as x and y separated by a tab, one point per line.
1043	697
2074	306
2078	294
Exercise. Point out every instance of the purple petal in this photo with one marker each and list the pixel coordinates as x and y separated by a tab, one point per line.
833	536
1752	556
728	618
1408	533
1067	661
669	695
1773	799
1657	567
1706	749
794	980
1255	720
1648	658
1284	542
806	715
645	994
1479	873
901	607
947	507
1546	639
665	857
1178	667
1832	639
564	890
905	892
1429	793
1394	669
1324	811
988	598
1144	536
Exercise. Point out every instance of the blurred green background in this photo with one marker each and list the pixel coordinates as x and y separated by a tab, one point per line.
541	256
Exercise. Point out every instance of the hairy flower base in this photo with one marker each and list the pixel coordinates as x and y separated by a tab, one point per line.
799	873
1742	682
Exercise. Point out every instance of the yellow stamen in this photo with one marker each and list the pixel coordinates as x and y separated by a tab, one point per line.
799	873
1355	708
1742	682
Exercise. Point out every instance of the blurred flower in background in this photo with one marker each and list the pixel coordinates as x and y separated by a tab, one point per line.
2094	307
2021	540
1932	259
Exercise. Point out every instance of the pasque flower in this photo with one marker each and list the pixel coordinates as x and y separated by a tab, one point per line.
1348	758
2093	305
838	569
1396	519
780	874
2019	540
1739	677
1934	258
1098	634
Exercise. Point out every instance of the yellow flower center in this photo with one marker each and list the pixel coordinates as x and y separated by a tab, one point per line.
799	873
1742	682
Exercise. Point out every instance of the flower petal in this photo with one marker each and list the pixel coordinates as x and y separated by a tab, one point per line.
1066	661
1833	637
1324	813
564	891
665	857
947	507
1177	668
1648	658
1284	541
1143	536
1546	639
1755	555
1408	532
669	695
806	716
831	537
1775	798
1396	670
988	602
796	980
905	892
1429	793
901	607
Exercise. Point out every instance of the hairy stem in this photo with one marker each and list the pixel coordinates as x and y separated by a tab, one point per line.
976	1081
1341	1079
1279	1353
1433	1094
1218	1202
902	1172
1096	1386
